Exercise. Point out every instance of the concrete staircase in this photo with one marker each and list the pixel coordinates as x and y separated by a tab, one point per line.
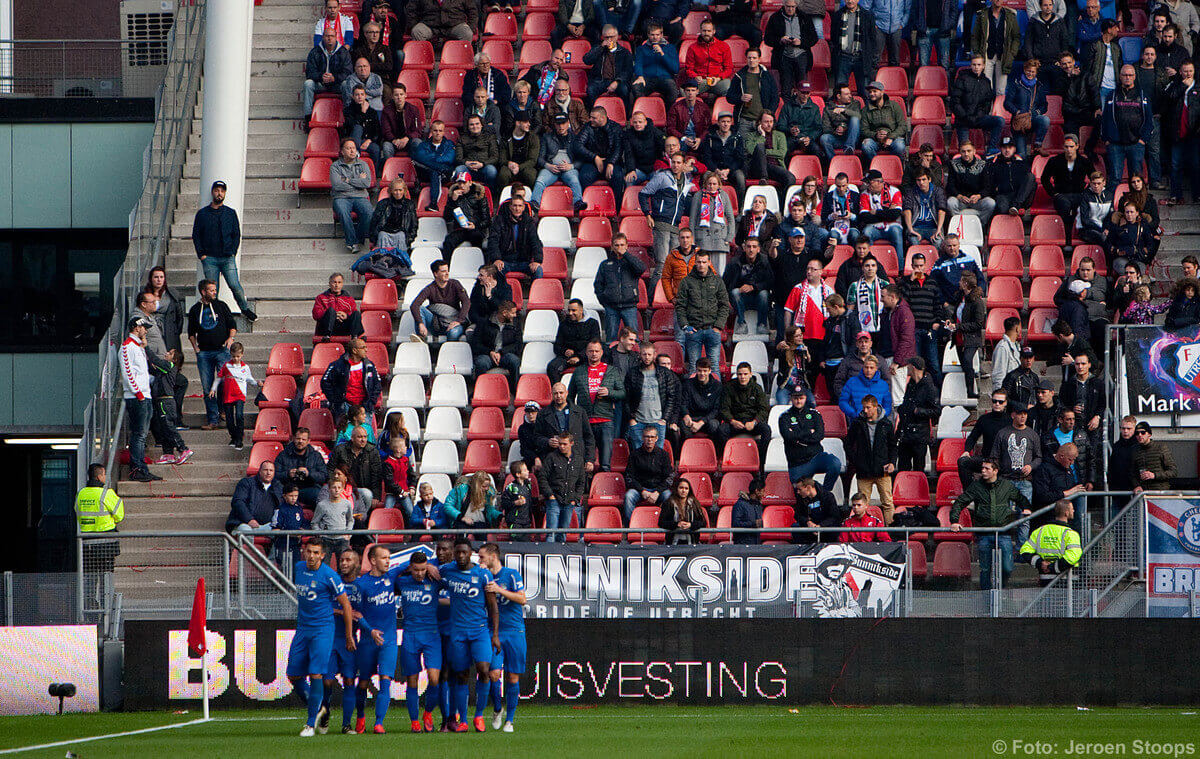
287	255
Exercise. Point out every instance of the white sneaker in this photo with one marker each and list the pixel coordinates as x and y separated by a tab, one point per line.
497	720
508	728
307	732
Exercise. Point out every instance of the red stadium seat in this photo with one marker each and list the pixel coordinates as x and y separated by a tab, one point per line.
1041	322
917	563
1042	291
778	517
894	80
539	26
629	201
927	133
964	519
595	231
1006	229
725	521
1046	260
457	54
377	353
692	22
702	488
416	82
449	110
662	323
314	175
323	355
501	26
608	489
260	452
886	255
387	519
319	422
740	455
327	112
835	421
1047	230
501	53
645	518
399	167
848	164
545	293
600	200
673	349
1094	252
910	489
952	560
820	56
891	167
322	143
803	166
377	326
554	263
483	455
1005	292
778	490
603	517
380	295
948	453
931	81
1005	261
731	485
423	201
278	390
491	390
698	454
949	487
653	108
573	49
418	54
613	106
1054	109
994	329
514	282
273	425
286	358
486	423
532	387
637	229
620	454
556	201
449	83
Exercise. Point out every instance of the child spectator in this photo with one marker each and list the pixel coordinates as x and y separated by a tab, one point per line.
399	479
1141	310
865	523
232	381
357	417
288	516
516	501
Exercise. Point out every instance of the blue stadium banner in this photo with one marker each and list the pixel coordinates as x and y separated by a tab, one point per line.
1172	555
1162	370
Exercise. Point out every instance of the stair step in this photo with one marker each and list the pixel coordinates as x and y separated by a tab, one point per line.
288	165
266	249
172	485
292	141
262	111
291	56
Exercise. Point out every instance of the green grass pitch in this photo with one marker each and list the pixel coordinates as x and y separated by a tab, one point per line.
645	730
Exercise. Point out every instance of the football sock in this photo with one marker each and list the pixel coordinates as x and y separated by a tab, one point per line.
482	691
360	700
497	699
412	700
462	695
383	700
512	696
349	696
316	697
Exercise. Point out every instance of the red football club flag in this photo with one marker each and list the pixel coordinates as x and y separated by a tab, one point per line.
196	642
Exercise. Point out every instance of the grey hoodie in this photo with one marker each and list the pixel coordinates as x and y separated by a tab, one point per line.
349	180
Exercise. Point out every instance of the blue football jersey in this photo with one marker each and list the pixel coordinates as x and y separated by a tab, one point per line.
379	602
419	601
354	594
512	615
315	594
468	602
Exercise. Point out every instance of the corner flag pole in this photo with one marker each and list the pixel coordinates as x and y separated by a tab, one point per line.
198	636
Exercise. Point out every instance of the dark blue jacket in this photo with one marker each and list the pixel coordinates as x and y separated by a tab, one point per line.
947	272
1019	98
745	514
337	375
728	155
661	199
650	64
589	142
339	64
768	91
617	281
1119	134
435	512
438	158
665	10
252	501
288	459
216	232
624	64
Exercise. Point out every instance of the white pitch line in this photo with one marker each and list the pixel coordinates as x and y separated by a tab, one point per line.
102	737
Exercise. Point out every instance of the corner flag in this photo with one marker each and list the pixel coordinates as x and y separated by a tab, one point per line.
197	634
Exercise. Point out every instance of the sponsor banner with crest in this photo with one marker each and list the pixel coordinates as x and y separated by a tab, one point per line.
1172	555
1162	370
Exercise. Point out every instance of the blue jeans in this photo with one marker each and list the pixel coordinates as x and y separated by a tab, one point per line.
454	333
1185	161
311	88
1118	155
216	267
1025	488
925	43
545	178
892	233
871	148
634	497
993	125
625	23
558	517
692	342
613	317
984	546
486	175
604	433
208	362
1041	124
761	303
138	413
634	434
374	150
823	462
852	64
351	233
831	143
927	348
509	362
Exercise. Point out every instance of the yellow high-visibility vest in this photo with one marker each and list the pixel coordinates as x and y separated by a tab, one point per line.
97	516
1055	541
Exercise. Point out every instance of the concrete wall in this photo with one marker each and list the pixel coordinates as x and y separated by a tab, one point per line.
46	389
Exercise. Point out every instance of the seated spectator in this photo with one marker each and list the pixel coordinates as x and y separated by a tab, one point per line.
478	152
255	500
993	501
514	247
682	516
371	83
795	366
393	427
616	287
642	144
399	479
724	152
562	104
1133	239
597	386
611	66
401	124
665	200
1094	300
804	213
559	417
884	123
491	80
681	259
656	63
744	409
879	212
864	525
839	211
1054	548
562	482
372	49
394	222
359	459
487	111
1147	205
472	503
449	305
436	158
575	331
496	342
466	215
709	61
428	511
1012	180
516	500
441	20
749	279
352	379
335	311
1153	465
1025	99
522	102
1184	310
948	270
335	511
924	208
868	382
802	430
578	20
555	163
350	178
519	151
924	160
701	310
1071	309
969	185
767	150
700	404
326	69
758	223
543	77
748	511
793	35
649	473
391	30
841	123
816	506
289	516
1093	208
689	118
335	22
598	149
712	217
303	466
490	290
1046	35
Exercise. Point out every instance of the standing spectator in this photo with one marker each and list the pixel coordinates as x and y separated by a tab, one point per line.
924	299
516	500
1025	99
853	45
596	387
449	305
336	313
435	157
724	151
1184	131
335	22
519	152
748	510
871	451
1020	382
993	501
901	332
744	409
841	123
971	100
169	316
1012	180
428	511
1120	471
863	524
1044	413
971	313
495	342
749	279
513	245
491	80
360	460
969	185
651	397
664	201
996	36
301	465
1067	430
867	383
328	65
334	512
1084	392
211	330
216	236
655	65
1065	178
575	331
1056	479
1126	125
681	259
753	92
1007	356
230	386
839	326
767	148
442	20
616	287
918	409
349	180
648	474
559	417
1047	34
1079	100
562	482
682	516
1104	60
1153	465
689	118
598	149
1133	240
713	219
701	310
1071	345
802	430
884	123
924	207
984	434
611	66
709	61
805	308
880	210
948	269
866	295
1093	295
1018	452
371	83
255	499
352	380
793	36
135	378
555	164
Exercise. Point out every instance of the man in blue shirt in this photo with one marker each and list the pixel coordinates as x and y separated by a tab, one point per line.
317	587
474	629
342	656
445	554
509	588
419	596
377	652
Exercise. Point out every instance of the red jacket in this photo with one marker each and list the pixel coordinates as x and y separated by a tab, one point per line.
328	300
711	60
867	524
678	118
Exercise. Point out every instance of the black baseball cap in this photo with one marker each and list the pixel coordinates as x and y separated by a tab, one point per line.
220	184
559	118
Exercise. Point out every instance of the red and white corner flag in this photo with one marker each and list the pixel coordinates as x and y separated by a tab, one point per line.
197	634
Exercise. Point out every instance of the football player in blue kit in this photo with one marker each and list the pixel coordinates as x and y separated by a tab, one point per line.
377	650
445	554
418	590
474	629
342	659
509	588
318	587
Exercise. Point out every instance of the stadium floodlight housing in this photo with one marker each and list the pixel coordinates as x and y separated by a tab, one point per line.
62	691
